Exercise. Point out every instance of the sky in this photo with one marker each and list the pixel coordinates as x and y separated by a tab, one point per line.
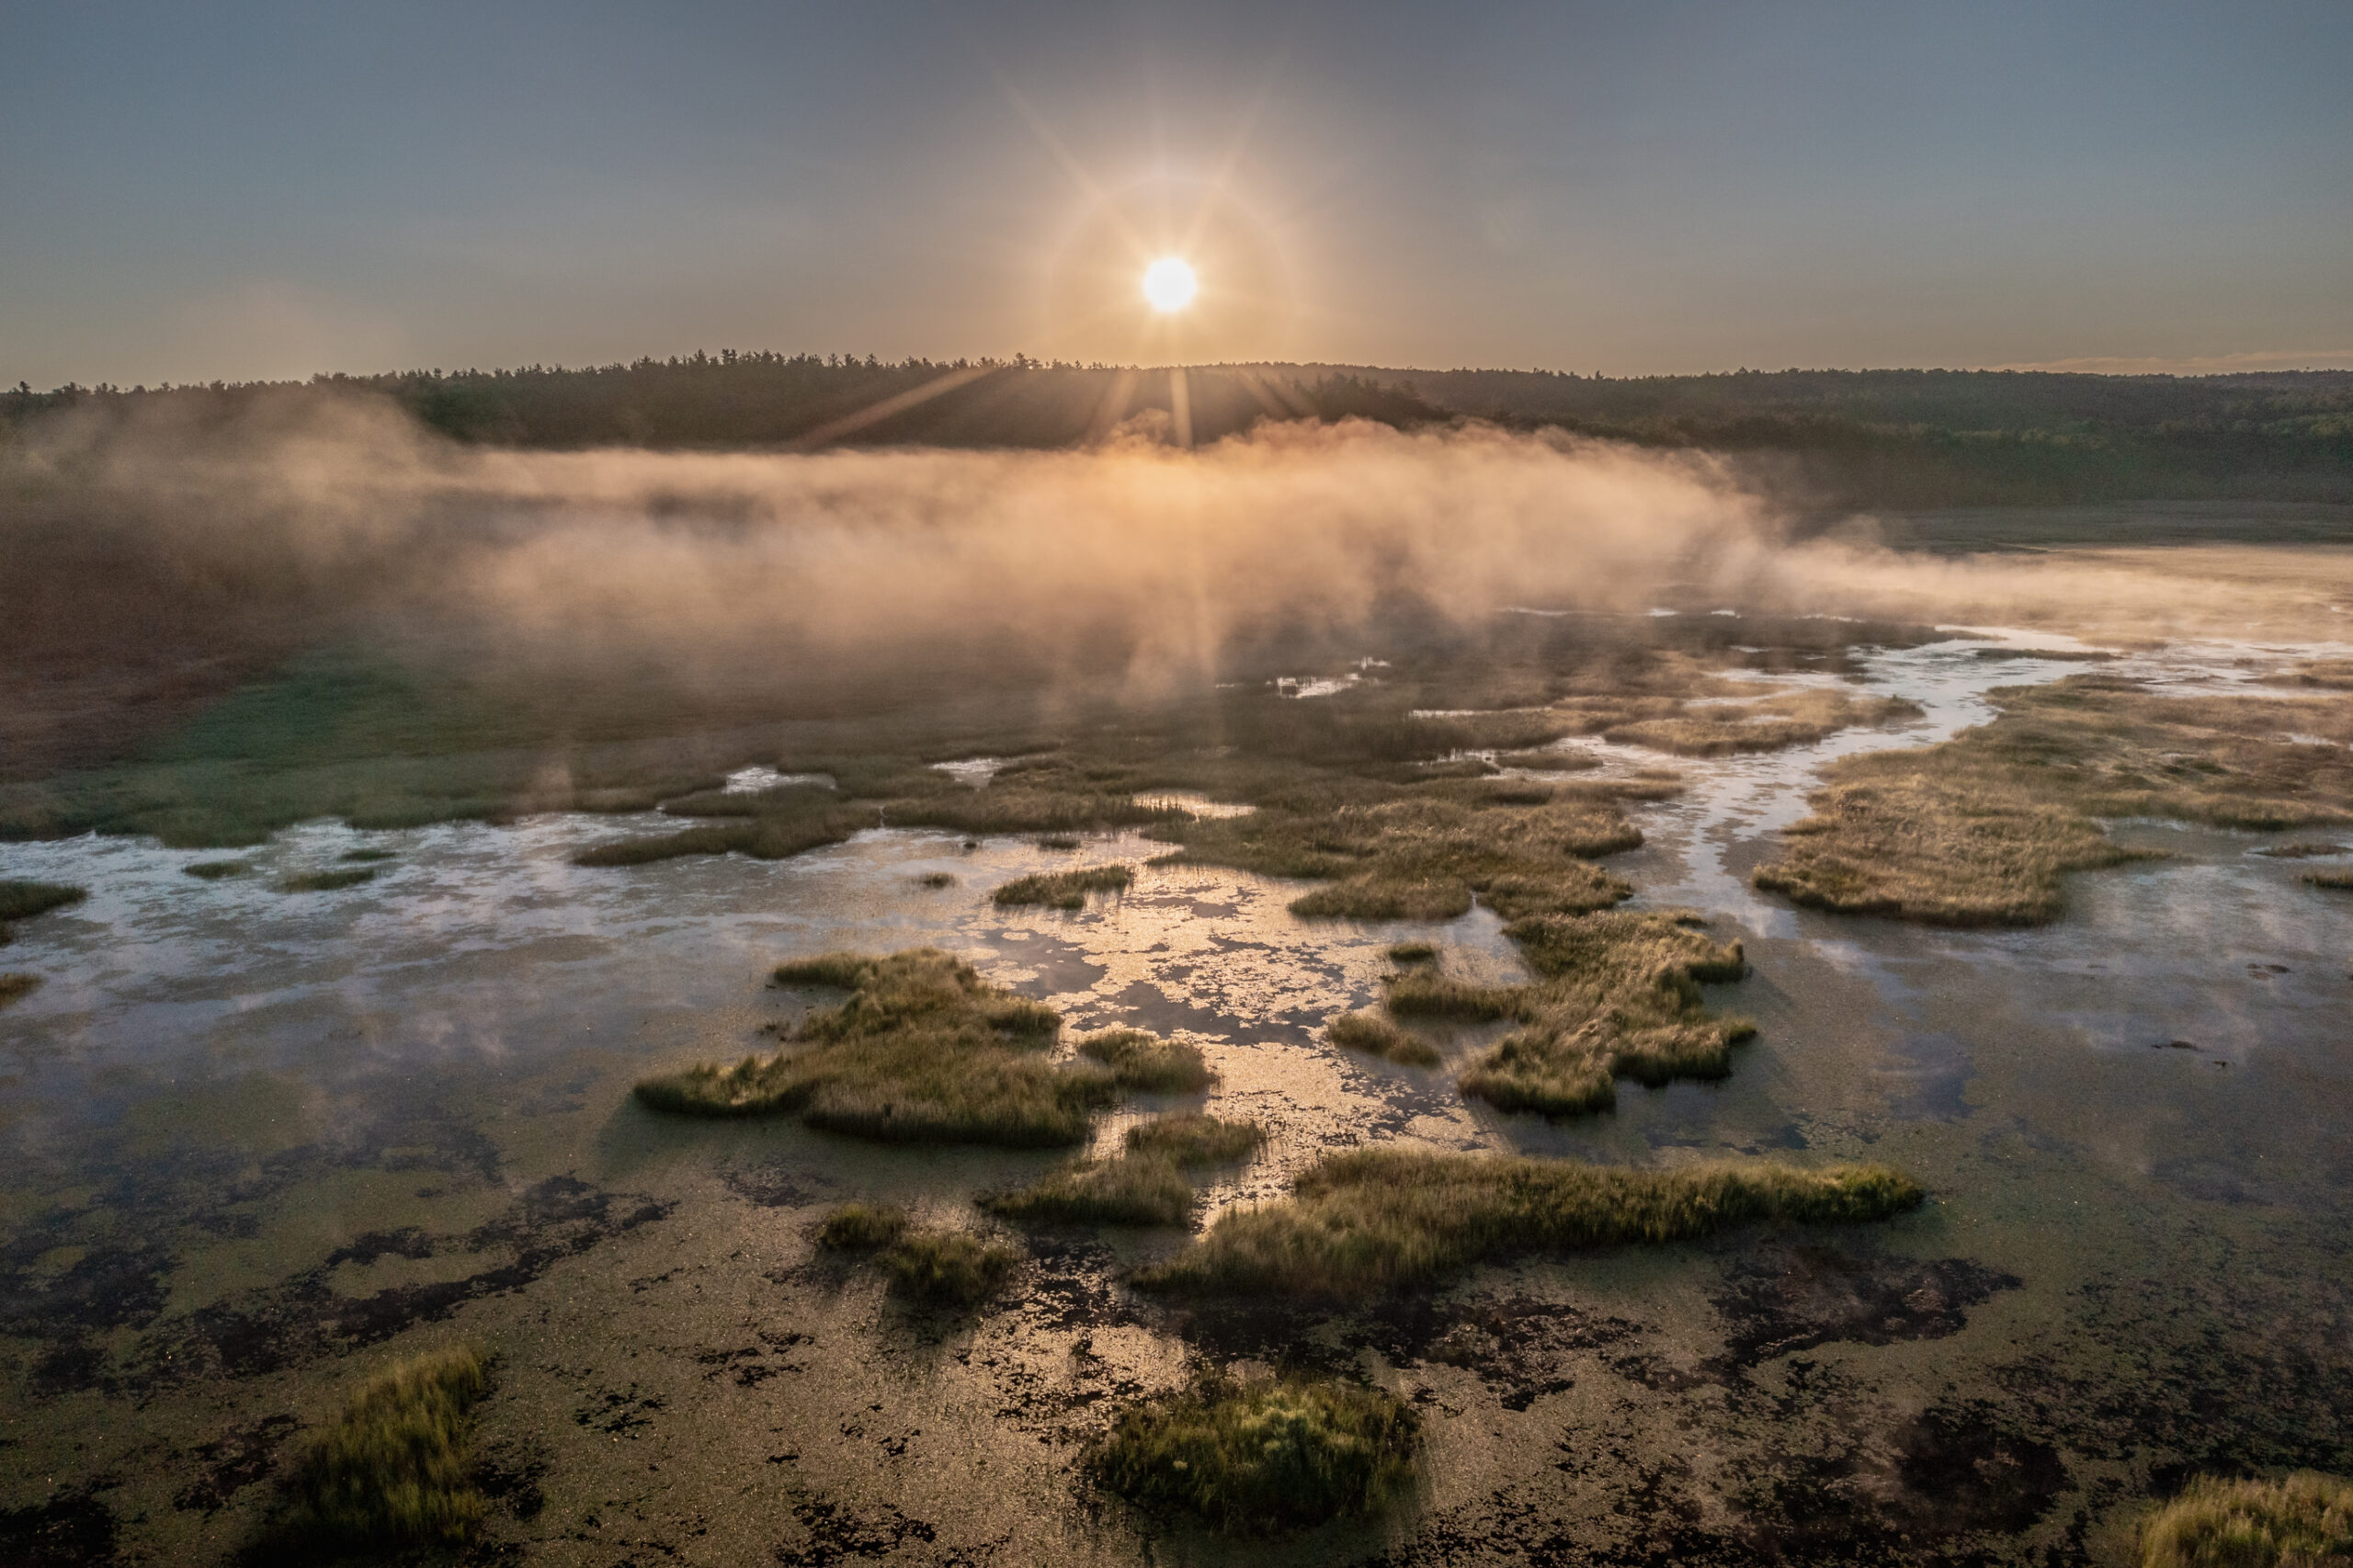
196	191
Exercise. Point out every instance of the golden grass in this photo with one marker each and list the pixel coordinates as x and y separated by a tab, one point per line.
949	1267
1774	723
1376	1035
2302	1521
2339	879
1373	1220
861	1227
1980	831
392	1471
1133	1189
1064	890
1263	1456
922	1050
1194	1139
1142	1061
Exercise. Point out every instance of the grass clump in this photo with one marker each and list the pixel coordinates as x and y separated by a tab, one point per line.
935	879
216	871
1134	1190
1056	841
1979	831
1798	718
327	881
1146	1061
1386	1219
1549	760
23	899
2330	878
392	1471
1064	890
2305	850
1413	952
1195	1140
1376	1035
861	1227
922	1050
949	1267
17	987
1263	1456
1617	996
2302	1521
366	857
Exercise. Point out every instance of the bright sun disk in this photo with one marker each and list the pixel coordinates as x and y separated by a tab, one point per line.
1170	284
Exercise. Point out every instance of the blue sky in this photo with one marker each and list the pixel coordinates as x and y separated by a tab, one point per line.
191	192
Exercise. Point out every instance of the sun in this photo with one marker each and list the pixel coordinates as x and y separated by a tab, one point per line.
1170	284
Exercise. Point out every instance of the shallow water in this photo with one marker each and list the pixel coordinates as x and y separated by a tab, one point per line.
263	1141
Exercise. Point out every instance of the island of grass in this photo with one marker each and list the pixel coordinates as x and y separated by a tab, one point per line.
393	1472
949	1267
2299	1521
922	1050
1145	1062
1377	1036
327	881
1147	1185
215	870
1064	890
1262	1456
861	1227
24	900
1980	830
1377	1220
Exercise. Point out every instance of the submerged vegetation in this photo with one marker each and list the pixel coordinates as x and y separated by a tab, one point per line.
393	1471
216	871
1980	830
1389	1218
15	987
1260	1456
1064	890
924	1050
2304	1520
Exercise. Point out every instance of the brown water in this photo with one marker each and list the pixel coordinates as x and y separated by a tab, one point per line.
262	1143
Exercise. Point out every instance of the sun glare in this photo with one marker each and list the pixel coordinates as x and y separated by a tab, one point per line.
1170	284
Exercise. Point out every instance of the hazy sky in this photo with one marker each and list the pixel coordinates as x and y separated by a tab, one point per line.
191	192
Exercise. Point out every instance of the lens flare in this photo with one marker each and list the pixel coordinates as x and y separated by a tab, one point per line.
1170	284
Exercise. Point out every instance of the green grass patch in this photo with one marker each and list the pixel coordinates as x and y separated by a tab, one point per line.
216	871
23	899
392	1471
861	1227
1195	1140
2304	1520
1134	1190
949	1267
1374	1220
17	987
327	881
1980	830
1260	1457
1376	1035
1145	1062
922	1050
1064	890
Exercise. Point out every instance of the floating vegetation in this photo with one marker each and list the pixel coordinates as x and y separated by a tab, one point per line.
1134	1190
1064	890
2302	1521
393	1471
216	871
23	899
366	857
1262	1456
327	881
1375	1220
1979	831
949	1267
1774	723
1618	997
1376	1035
15	987
924	1050
1195	1140
1146	1061
861	1227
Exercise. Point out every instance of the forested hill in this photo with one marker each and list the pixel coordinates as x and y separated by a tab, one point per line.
1913	439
